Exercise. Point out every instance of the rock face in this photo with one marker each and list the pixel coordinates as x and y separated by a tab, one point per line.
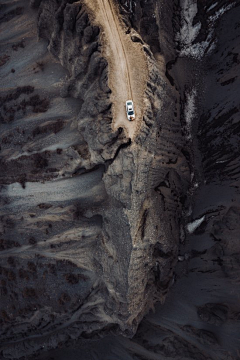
92	219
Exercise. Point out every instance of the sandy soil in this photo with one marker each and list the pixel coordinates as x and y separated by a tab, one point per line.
127	64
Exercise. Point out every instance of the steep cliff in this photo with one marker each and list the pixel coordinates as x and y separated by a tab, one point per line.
96	211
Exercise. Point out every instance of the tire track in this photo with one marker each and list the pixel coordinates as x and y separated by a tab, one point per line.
127	65
104	5
123	49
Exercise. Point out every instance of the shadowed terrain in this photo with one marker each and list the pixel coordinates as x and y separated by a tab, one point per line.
102	220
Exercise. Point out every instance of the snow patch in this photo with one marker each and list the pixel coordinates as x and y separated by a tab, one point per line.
220	12
190	110
212	6
189	31
198	50
221	161
191	227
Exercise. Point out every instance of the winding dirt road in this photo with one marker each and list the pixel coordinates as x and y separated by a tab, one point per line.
127	63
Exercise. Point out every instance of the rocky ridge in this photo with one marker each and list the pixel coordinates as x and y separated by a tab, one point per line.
99	217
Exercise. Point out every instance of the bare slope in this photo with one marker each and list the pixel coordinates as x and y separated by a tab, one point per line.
96	245
127	64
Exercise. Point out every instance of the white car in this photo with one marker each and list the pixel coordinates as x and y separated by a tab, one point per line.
130	110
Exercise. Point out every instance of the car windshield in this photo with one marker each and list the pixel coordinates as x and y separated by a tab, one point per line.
130	113
129	103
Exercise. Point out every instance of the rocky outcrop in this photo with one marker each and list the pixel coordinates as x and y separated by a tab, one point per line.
92	221
114	252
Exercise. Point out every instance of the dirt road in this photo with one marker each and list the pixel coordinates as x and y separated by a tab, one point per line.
127	64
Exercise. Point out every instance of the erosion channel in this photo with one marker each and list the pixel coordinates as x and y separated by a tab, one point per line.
105	220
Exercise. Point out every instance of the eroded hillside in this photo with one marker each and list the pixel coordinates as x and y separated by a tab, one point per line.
94	208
